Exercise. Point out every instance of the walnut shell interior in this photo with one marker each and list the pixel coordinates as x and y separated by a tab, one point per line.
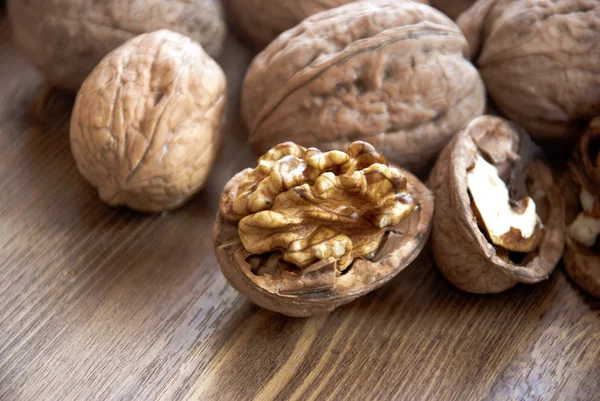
461	250
277	285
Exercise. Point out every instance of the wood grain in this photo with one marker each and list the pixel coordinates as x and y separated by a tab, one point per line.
106	304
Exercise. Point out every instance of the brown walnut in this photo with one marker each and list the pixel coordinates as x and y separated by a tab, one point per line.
390	72
583	262
65	39
540	61
146	125
462	248
305	231
258	22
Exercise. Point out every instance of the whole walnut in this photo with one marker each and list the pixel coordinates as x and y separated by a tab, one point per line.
146	125
307	231
65	39
258	22
540	61
389	72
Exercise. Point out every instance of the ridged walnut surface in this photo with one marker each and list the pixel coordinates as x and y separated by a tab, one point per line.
461	250
399	211
258	22
583	264
65	39
540	61
147	122
392	73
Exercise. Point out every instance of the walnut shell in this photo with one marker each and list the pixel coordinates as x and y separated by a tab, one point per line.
461	250
65	39
146	125
583	264
389	72
303	194
258	22
540	61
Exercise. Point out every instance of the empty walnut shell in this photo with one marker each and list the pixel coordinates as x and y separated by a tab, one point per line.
581	263
300	208
65	39
540	61
391	72
146	126
461	250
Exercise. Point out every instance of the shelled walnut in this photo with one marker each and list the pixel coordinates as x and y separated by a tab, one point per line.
389	72
582	250
305	232
499	216
146	126
65	39
540	61
258	22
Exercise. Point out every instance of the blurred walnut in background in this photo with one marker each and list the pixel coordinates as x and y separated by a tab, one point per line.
582	212
258	22
65	39
540	61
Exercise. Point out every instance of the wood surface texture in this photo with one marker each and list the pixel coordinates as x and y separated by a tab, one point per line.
98	303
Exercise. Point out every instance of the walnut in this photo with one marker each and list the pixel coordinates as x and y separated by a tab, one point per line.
65	39
582	248
305	231
258	22
540	61
485	251
452	8
389	72
147	122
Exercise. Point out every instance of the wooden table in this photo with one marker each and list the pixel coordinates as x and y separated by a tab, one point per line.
99	303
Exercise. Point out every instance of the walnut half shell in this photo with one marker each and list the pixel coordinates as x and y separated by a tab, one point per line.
305	232
462	249
583	262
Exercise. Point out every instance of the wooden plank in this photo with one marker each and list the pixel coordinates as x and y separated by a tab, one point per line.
102	303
